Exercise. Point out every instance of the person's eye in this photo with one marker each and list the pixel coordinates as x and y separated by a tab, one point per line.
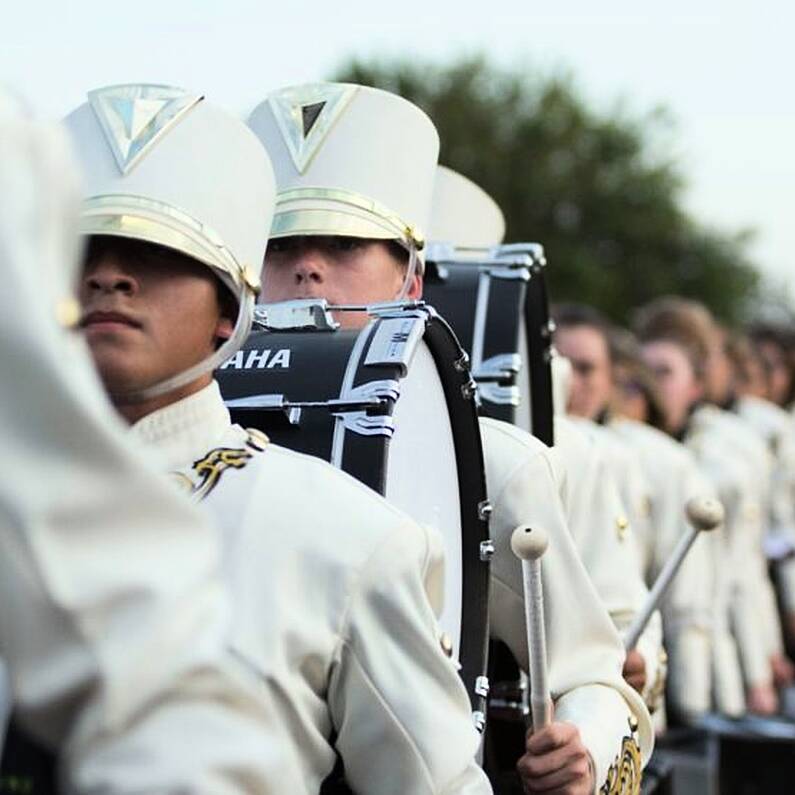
280	245
346	244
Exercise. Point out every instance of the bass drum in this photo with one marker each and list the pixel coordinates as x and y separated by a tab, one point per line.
394	406
498	308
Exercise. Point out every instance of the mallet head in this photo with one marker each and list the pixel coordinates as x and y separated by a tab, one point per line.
529	543
705	513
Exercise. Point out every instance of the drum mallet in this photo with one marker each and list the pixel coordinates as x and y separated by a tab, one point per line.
704	514
529	544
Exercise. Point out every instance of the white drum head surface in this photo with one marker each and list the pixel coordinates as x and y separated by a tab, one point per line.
523	410
5	701
422	476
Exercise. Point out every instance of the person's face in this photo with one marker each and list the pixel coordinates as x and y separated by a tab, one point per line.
343	270
148	313
720	373
678	386
628	397
778	375
756	383
591	383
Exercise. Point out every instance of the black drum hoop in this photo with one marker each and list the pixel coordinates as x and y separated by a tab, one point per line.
456	381
538	334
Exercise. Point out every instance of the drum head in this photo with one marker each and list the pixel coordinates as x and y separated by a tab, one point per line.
524	411
5	700
422	476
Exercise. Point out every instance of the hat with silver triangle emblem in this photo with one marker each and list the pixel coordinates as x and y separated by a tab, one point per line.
349	160
164	166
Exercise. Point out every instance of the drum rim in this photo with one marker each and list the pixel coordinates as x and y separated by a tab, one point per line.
473	654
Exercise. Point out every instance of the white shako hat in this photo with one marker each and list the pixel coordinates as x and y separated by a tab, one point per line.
349	160
463	215
163	166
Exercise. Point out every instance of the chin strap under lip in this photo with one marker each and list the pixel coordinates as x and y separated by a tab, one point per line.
227	349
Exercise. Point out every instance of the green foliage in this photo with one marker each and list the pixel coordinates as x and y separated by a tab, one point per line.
600	191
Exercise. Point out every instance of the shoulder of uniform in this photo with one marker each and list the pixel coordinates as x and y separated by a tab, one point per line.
320	472
653	437
511	434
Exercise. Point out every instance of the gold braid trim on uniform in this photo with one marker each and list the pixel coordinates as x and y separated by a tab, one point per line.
624	775
207	471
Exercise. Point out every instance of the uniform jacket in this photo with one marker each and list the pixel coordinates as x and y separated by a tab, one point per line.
673	477
776	428
114	614
602	521
716	439
332	591
584	651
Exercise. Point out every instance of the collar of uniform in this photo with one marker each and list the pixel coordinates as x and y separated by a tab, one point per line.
184	431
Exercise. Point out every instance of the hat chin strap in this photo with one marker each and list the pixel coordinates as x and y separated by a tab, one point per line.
411	270
216	359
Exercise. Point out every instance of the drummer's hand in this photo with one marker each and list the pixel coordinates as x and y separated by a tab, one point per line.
556	761
761	700
783	670
635	670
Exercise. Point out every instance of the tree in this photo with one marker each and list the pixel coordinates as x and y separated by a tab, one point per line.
600	191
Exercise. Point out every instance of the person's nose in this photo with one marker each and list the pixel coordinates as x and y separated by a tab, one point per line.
108	276
309	268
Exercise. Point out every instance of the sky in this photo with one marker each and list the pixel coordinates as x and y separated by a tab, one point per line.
725	70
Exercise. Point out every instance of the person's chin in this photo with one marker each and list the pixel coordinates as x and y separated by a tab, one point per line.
119	376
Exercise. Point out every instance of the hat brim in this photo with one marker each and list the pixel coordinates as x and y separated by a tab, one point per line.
135	218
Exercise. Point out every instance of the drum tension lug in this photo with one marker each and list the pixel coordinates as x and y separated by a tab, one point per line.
462	364
469	389
485	509
479	719
482	686
486	550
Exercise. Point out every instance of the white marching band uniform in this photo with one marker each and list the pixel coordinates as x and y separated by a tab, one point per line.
776	428
673	478
529	483
753	607
349	156
332	600
332	588
114	614
465	216
603	530
584	651
739	651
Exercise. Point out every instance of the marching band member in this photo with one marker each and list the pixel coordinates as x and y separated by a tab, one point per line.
677	345
347	230
773	427
659	476
634	522
114	618
330	585
758	383
465	215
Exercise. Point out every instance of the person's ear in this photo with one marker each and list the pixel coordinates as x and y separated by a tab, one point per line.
414	292
224	328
